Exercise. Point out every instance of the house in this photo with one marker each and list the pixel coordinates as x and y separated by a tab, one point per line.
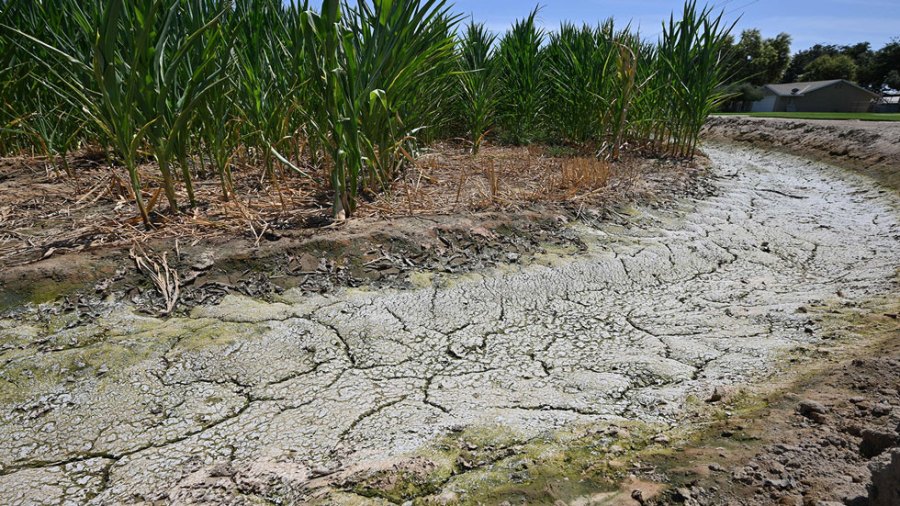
887	104
837	95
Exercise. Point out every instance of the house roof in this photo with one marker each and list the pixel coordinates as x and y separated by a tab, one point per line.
800	89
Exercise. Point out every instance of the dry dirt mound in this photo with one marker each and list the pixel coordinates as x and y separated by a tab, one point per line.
832	439
871	147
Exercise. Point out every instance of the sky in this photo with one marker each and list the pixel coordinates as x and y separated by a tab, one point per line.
809	22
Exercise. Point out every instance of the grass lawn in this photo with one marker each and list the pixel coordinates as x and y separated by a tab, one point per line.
863	116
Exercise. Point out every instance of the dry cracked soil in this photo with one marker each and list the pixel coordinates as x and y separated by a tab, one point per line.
287	401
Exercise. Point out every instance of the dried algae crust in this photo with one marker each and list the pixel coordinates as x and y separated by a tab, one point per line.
254	401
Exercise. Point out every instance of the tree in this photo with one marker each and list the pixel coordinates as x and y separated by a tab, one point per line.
781	45
866	73
760	61
802	59
831	67
892	80
873	68
742	96
886	66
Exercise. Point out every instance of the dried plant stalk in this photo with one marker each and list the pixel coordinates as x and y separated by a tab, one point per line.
163	277
584	174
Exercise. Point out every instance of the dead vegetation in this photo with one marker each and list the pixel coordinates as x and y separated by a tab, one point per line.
163	277
45	213
448	180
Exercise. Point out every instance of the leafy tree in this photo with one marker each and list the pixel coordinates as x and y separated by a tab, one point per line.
873	68
750	93
741	96
760	61
831	67
781	46
893	80
803	58
886	66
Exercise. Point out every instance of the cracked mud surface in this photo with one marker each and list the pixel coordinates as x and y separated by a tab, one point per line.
121	408
871	147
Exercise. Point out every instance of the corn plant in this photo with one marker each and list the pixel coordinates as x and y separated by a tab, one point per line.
580	65
648	107
54	129
176	86
331	114
29	115
352	89
104	83
268	52
134	82
379	70
477	83
691	57
522	95
627	87
402	57
217	122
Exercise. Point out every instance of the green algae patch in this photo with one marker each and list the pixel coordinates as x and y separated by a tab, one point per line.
240	309
422	279
584	463
737	424
40	356
400	481
12	299
49	290
554	254
844	328
418	477
738	403
342	498
27	377
16	335
39	291
205	334
493	465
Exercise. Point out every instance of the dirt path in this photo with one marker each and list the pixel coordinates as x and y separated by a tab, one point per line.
253	401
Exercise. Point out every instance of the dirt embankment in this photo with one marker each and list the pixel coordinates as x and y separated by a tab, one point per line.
55	243
871	147
831	439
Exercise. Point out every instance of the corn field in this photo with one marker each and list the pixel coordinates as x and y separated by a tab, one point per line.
346	92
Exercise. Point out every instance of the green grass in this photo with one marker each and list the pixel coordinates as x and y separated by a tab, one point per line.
862	116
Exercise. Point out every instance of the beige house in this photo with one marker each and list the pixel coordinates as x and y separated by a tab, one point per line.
818	96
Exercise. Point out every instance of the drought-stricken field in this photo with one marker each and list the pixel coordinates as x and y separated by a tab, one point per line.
256	252
545	380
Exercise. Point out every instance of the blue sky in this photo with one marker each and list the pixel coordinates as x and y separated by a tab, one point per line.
808	21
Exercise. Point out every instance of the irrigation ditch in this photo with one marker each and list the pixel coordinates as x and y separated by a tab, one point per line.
258	252
869	147
731	341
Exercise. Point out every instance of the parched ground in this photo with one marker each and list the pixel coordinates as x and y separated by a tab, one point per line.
824	439
871	147
539	382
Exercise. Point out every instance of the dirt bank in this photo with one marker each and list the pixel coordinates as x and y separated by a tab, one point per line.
827	439
58	241
871	147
